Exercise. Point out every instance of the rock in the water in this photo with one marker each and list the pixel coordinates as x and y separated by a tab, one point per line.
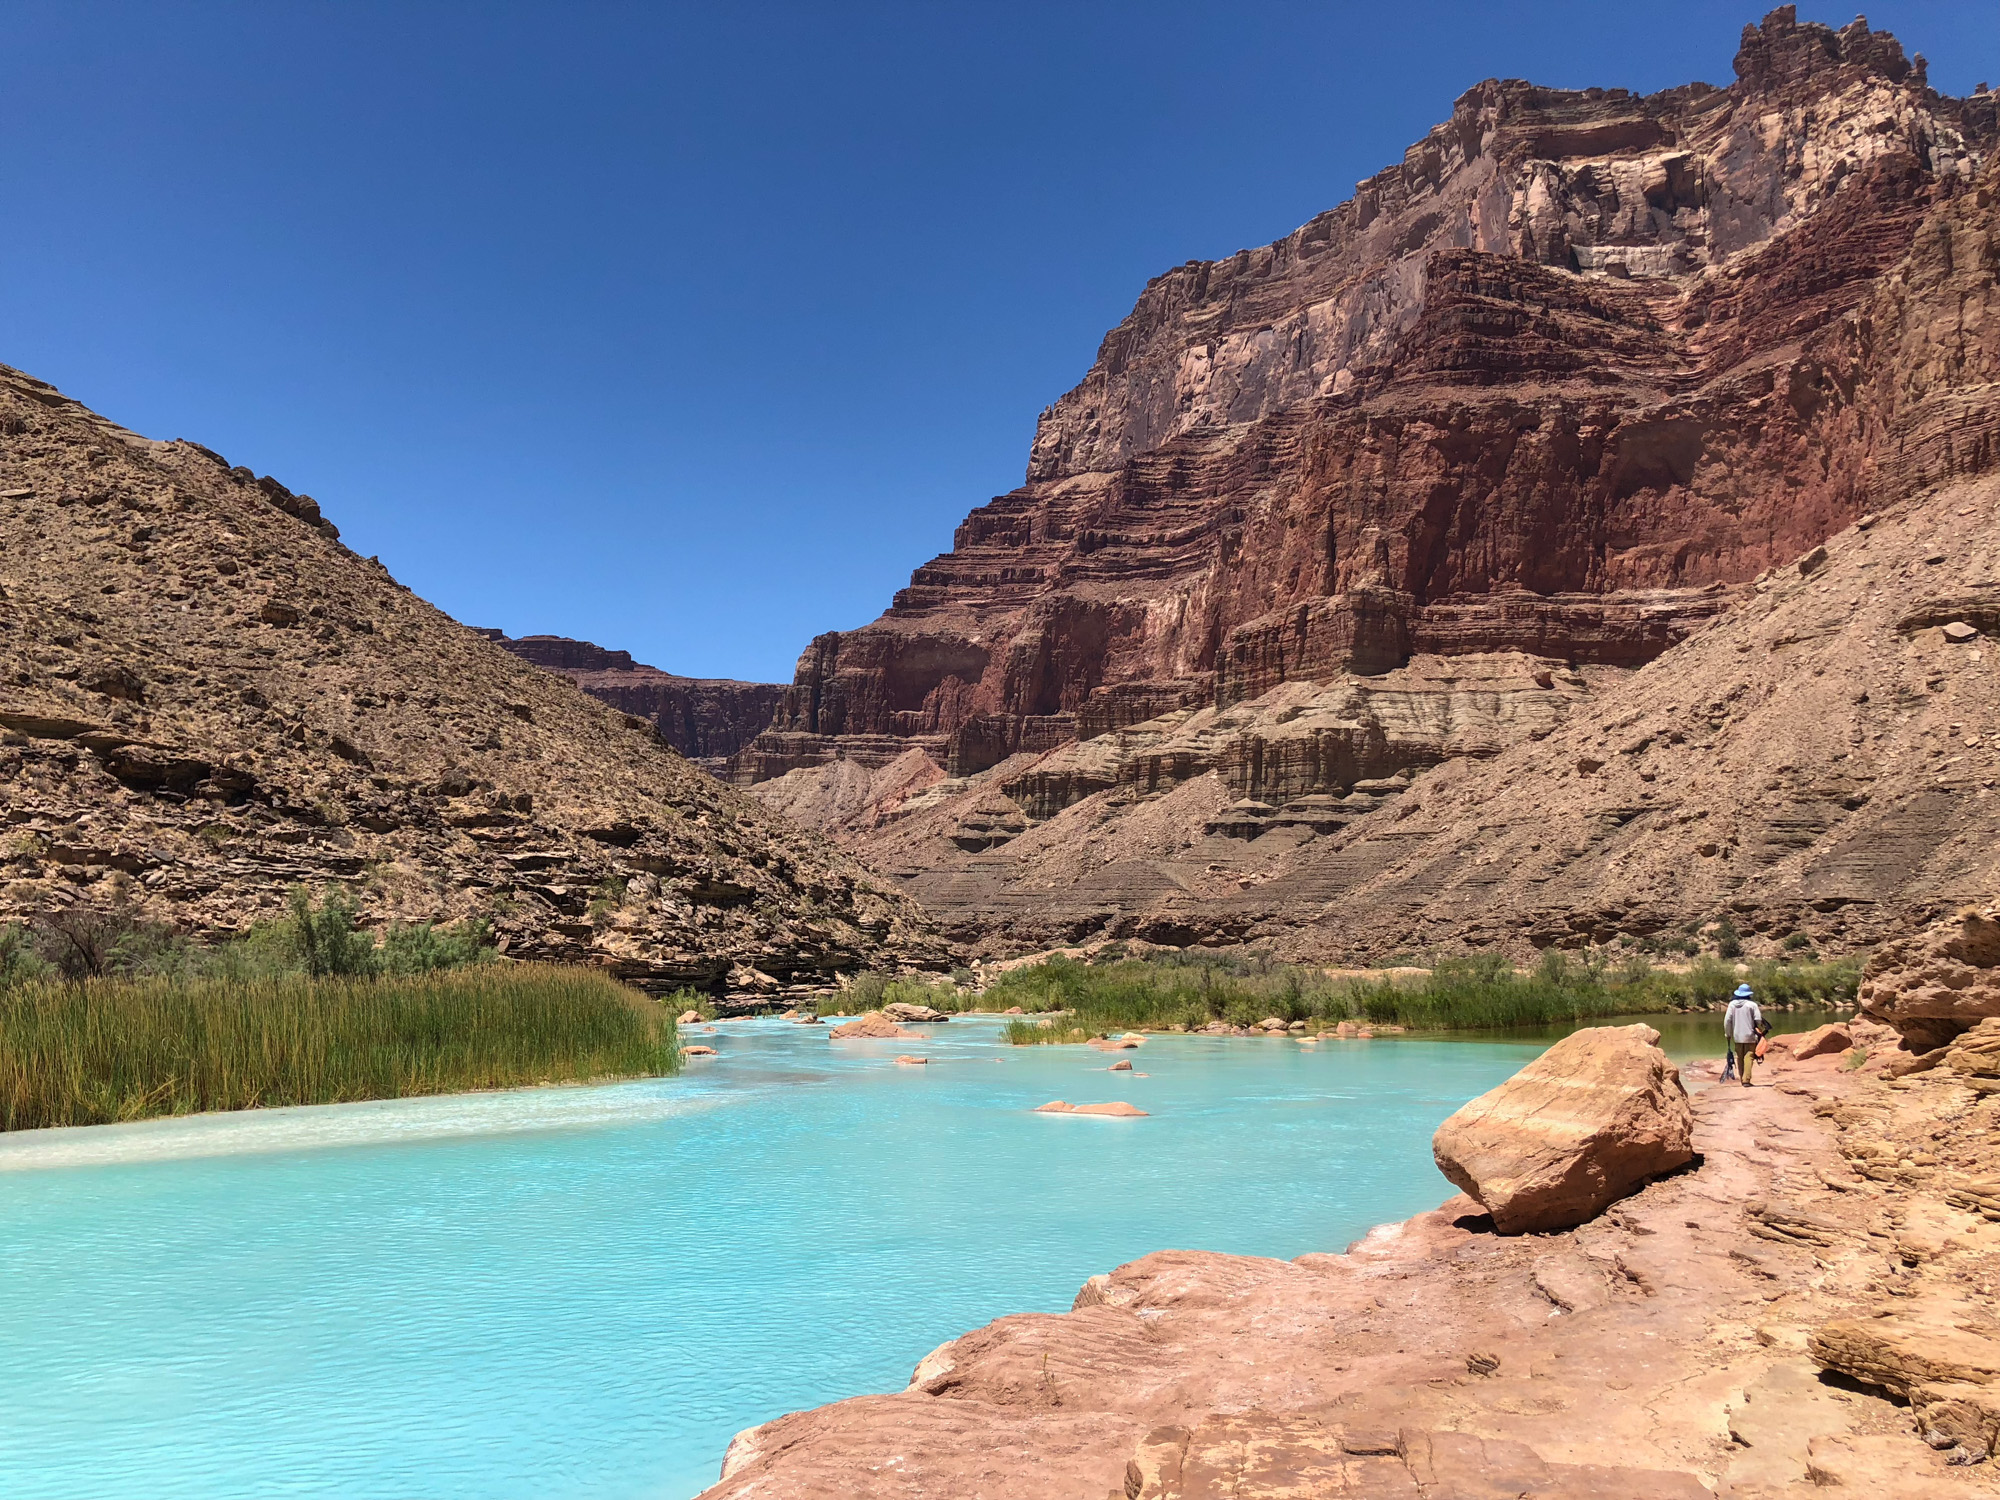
1581	1126
903	1010
697	1051
688	1017
1121	1066
905	1060
871	1024
1117	1107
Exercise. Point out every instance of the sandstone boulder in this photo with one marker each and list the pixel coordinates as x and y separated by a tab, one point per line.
907	1061
697	1052
1121	1066
872	1024
903	1010
1819	1042
1940	983
1581	1126
688	1017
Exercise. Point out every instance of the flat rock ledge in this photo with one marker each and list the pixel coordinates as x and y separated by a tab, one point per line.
1805	1312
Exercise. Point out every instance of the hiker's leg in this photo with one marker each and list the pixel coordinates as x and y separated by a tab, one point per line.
1746	1060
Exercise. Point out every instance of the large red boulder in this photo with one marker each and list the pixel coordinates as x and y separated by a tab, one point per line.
1581	1126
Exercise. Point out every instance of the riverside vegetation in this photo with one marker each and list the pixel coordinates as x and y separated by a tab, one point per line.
104	1019
1481	992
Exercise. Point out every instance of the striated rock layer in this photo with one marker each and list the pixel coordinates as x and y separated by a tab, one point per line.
1595	1116
707	719
205	699
1420	483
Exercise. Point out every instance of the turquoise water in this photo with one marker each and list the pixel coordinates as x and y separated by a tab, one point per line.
585	1292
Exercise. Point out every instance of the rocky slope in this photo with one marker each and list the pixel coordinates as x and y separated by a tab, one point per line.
205	698
1579	388
707	719
1806	1308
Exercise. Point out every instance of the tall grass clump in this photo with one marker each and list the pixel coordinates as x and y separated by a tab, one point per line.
1480	992
106	1050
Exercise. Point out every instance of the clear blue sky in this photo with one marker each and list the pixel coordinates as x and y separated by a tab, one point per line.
692	328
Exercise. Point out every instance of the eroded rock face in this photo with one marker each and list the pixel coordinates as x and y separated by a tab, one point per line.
1500	400
1597	1115
1939	983
707	719
1546	399
205	699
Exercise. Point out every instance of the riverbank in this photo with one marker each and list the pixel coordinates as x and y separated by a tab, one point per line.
1657	1353
1245	992
109	1050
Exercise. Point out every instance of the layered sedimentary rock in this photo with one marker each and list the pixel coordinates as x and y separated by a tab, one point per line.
707	719
1597	1115
1632	447
205	699
1937	984
1577	367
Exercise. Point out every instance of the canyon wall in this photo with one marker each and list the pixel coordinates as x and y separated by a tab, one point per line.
707	719
1423	481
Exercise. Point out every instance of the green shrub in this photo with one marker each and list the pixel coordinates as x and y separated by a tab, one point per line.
871	990
1728	941
324	936
19	962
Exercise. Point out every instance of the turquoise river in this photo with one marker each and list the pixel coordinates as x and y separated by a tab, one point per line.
585	1292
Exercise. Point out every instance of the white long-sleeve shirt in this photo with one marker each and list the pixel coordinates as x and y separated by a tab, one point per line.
1741	1020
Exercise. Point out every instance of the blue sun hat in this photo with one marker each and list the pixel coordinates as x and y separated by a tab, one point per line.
1744	992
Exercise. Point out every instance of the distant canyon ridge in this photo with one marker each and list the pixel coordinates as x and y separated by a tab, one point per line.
1586	530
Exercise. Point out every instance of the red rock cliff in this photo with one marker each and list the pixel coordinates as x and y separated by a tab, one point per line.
707	719
1558	382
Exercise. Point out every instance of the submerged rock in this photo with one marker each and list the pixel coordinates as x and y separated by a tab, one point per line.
1581	1126
1117	1108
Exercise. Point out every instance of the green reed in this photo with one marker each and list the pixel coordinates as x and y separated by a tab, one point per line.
126	1049
1475	993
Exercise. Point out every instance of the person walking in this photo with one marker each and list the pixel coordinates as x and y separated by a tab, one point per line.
1742	1024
